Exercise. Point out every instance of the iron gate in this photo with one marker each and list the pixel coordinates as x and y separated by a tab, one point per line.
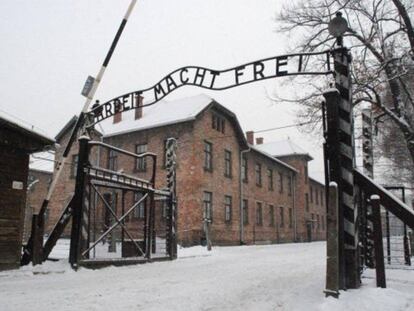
120	218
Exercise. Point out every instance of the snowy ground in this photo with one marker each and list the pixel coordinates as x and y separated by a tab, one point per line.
271	277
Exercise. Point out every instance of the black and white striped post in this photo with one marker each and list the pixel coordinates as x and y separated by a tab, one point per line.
342	158
171	162
367	226
88	91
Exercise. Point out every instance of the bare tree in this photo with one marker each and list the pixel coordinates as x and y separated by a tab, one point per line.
381	39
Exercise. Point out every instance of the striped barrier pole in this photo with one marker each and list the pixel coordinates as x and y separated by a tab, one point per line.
348	209
366	228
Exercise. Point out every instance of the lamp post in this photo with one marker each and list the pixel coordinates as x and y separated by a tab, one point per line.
341	157
337	27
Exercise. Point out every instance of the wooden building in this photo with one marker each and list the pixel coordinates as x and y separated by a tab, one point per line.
16	144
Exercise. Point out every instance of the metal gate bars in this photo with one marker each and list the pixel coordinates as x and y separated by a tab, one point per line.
143	230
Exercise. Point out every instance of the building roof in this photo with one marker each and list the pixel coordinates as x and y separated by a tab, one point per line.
69	125
40	139
254	148
160	114
315	180
283	148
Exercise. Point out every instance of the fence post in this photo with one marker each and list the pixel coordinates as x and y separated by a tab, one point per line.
75	237
333	163
332	249
379	250
368	166
172	199
387	232
37	235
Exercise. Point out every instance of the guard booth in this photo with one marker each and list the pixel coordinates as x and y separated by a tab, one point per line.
16	144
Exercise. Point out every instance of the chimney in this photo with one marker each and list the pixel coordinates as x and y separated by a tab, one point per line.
259	140
250	137
118	113
138	110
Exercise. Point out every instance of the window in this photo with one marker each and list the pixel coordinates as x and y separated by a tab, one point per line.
271	215
280	182
139	211
270	179
245	207
244	168
111	200
227	163
307	202
227	208
208	205
258	169
141	163
317	222
112	160
282	217
313	220
323	222
290	218
74	165
290	185
259	214
165	208
30	179
317	196
322	197
208	156
311	194
165	154
218	123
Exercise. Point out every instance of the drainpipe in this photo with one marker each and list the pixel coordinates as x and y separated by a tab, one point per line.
241	195
295	223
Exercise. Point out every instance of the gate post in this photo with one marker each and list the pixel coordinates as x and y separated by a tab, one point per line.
333	164
366	210
78	200
172	200
379	250
345	154
332	248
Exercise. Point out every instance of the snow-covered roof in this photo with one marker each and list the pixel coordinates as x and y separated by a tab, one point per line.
160	114
254	148
316	180
23	128
283	148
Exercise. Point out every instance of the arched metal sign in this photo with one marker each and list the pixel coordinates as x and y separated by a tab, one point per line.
272	67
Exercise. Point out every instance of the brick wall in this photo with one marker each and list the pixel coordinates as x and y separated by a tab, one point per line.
39	181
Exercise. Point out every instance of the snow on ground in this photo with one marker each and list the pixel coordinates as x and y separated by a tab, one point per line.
268	277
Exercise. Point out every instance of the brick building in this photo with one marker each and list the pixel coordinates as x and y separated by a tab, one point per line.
249	194
16	144
66	186
38	183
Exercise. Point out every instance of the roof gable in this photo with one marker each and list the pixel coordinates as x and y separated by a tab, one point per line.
68	126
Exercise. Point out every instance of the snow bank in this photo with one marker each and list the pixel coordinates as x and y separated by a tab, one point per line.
377	299
266	277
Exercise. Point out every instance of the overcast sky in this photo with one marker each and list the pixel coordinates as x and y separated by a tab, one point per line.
49	47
